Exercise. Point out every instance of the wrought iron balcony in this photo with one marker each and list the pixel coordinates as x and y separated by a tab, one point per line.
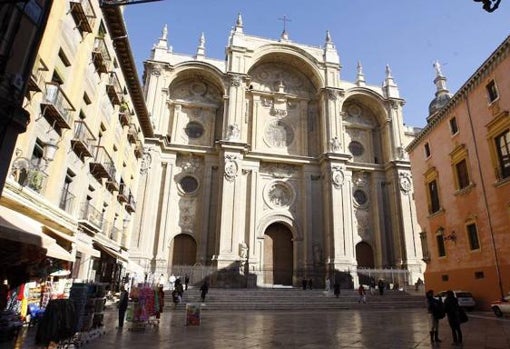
123	195
100	55
82	140
67	201
83	14
90	217
130	204
113	88
112	185
36	81
102	165
124	118
132	134
56	107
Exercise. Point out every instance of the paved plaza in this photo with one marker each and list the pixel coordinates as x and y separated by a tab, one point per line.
365	328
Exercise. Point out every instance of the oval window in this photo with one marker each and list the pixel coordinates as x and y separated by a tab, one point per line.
194	130
188	184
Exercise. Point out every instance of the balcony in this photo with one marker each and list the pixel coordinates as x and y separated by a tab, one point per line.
56	107
132	134
90	217
36	81
123	195
32	177
67	201
113	88
82	140
83	15
102	165
124	118
101	56
131	204
138	149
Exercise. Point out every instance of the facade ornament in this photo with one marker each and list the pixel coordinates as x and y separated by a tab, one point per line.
279	194
189	164
145	164
335	144
233	132
332	95
337	177
231	167
405	183
235	80
360	179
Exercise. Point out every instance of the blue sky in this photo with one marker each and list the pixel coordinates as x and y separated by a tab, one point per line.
409	35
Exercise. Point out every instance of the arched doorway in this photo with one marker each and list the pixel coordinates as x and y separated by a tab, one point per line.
278	255
184	250
364	255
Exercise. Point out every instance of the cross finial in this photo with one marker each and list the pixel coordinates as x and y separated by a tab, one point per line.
284	19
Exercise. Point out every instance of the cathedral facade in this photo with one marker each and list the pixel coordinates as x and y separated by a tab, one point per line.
269	163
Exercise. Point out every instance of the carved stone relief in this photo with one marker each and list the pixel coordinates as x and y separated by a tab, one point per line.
405	182
337	177
280	78
187	210
279	194
231	167
278	170
360	179
188	163
278	134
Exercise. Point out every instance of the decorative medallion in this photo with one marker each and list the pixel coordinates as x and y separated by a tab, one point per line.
405	182
354	110
279	194
335	144
278	134
145	164
231	167
235	80
337	177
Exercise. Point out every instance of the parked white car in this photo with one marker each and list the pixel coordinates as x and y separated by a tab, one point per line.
465	298
501	307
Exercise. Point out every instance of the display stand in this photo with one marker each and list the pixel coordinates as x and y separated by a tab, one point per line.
143	308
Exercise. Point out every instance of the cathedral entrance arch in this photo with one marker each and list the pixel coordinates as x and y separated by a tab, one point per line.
364	255
183	250
278	255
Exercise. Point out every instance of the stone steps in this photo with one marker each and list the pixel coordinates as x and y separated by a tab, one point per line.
293	299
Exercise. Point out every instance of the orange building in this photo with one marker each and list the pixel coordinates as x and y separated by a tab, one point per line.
461	170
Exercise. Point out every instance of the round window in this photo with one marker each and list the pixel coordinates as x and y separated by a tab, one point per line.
194	129
356	148
188	184
360	197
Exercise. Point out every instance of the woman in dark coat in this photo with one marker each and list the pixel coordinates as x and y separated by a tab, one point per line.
451	307
123	304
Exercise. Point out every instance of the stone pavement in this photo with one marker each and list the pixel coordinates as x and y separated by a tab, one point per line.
360	328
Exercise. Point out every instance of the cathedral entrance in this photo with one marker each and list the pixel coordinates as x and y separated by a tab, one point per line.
183	250
364	255
278	255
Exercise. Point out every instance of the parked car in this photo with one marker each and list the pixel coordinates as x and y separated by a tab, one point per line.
501	307
464	298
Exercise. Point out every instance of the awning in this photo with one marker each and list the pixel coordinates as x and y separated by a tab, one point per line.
111	252
17	227
87	249
134	267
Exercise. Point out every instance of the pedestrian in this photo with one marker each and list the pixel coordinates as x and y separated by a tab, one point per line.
179	288
310	283
452	309
186	281
362	294
175	298
172	281
123	304
336	289
380	286
161	301
372	286
203	291
436	310
304	284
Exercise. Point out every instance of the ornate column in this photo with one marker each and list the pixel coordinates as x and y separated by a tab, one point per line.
234	121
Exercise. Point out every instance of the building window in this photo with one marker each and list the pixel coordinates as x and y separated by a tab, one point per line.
444	277
66	198
356	148
188	184
433	197
492	91
360	197
441	251
479	275
453	126
424	247
194	130
503	152
427	150
462	174
474	243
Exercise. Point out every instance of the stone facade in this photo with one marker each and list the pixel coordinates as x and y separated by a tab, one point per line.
271	148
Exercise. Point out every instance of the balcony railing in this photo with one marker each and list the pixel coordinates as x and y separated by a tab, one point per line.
102	165
132	134
91	217
83	14
67	201
124	117
113	88
123	195
131	204
36	81
82	139
100	55
138	149
56	107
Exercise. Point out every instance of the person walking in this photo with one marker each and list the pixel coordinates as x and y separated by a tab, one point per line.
123	304
362	294
436	310
336	289
186	281
204	289
310	282
452	309
380	286
303	283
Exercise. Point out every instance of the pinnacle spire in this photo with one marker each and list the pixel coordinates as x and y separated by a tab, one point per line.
360	78
390	88
201	46
442	95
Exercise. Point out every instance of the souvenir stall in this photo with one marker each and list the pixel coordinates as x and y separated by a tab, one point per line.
144	307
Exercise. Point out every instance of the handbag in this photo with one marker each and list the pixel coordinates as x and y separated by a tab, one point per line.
462	316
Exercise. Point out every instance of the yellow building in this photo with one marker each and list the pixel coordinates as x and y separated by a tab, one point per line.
74	174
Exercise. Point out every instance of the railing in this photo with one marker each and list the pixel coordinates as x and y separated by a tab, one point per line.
56	97
87	10
83	134
100	47
36	180
132	134
91	214
37	75
67	201
114	89
102	157
131	203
